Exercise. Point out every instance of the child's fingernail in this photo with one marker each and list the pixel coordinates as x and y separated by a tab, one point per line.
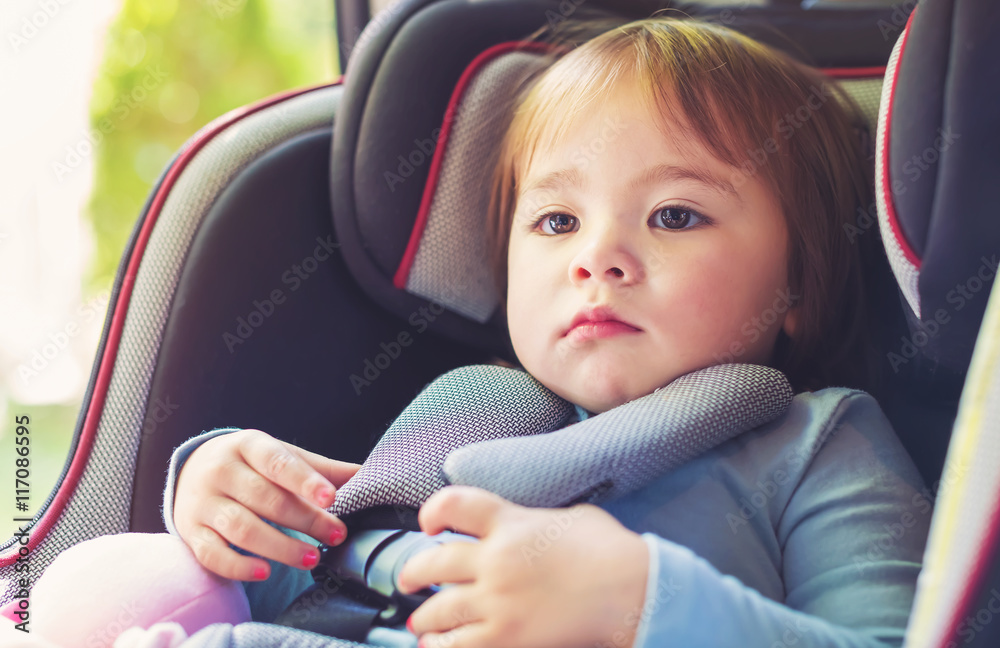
409	624
336	536
323	495
260	573
310	559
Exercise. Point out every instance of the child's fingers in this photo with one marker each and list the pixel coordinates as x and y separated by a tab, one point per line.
451	608
214	553
452	562
337	472
472	635
466	509
264	498
272	459
243	528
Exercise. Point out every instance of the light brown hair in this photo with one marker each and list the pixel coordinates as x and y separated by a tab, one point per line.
759	111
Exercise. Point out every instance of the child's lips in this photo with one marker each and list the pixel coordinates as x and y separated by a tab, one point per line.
596	330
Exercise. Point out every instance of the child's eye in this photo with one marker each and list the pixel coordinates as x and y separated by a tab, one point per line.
677	218
558	222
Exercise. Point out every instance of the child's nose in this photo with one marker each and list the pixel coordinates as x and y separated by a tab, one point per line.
610	262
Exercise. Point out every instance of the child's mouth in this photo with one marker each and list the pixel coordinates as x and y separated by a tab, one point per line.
594	330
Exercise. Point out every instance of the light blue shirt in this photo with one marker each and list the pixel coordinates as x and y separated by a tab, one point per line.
807	531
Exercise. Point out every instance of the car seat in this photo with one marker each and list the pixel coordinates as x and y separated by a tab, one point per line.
288	272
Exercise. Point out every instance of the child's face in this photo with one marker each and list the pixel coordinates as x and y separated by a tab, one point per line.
694	268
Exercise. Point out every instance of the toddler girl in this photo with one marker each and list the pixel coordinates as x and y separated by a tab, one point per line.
662	203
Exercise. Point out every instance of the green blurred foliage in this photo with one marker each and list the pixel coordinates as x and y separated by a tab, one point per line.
171	67
47	455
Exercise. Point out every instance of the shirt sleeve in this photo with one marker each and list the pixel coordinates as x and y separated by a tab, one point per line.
852	538
177	459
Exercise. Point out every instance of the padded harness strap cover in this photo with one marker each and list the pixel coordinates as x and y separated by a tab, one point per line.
625	448
463	406
486	425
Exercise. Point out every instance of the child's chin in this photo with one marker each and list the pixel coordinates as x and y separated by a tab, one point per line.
602	395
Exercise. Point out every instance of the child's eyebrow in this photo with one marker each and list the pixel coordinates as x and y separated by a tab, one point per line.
672	172
659	173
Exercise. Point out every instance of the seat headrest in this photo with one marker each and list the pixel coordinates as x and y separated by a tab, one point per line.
936	169
416	135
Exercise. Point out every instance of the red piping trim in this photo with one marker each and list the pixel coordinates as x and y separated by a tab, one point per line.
96	406
403	271
976	576
886	188
855	73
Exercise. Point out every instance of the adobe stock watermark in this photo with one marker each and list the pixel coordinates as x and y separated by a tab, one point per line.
957	297
295	277
223	9
360	35
665	593
787	126
913	169
315	599
565	9
122	107
922	503
766	489
128	614
587	153
897	20
56	342
32	24
422	152
545	538
420	319
755	327
976	622
728	15
794	631
156	414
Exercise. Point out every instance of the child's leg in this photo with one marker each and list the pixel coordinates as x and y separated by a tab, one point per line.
95	590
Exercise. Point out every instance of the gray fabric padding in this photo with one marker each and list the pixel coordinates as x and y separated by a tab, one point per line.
465	405
261	635
906	273
623	449
493	427
449	267
100	504
867	93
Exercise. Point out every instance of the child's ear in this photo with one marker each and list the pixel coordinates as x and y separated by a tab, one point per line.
791	323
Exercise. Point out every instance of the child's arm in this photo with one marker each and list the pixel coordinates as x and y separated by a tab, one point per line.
233	480
851	541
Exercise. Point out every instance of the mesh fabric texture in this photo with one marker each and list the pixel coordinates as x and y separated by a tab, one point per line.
486	425
907	274
465	405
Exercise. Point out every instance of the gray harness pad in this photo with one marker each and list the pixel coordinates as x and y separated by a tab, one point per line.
500	429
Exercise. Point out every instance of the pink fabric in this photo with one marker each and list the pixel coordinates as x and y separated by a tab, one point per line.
8	611
94	591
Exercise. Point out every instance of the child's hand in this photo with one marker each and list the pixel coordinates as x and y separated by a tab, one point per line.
537	578
228	483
